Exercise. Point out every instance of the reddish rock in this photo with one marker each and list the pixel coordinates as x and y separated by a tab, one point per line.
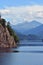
6	40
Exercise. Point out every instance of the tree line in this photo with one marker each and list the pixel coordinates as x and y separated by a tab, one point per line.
11	31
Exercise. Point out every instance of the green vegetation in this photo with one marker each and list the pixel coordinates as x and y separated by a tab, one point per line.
3	22
12	32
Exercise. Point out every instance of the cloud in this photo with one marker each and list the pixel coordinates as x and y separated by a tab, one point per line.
4	11
23	13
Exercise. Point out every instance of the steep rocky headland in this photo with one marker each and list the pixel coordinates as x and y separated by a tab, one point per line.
6	40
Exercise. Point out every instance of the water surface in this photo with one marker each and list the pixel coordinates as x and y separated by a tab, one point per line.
27	55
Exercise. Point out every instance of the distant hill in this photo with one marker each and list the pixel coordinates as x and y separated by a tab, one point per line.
29	30
24	27
37	31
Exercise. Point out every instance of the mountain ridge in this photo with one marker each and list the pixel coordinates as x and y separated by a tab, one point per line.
23	27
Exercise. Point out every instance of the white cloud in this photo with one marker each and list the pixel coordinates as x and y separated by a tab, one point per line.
23	13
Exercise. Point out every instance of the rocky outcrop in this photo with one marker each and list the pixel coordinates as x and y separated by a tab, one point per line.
6	40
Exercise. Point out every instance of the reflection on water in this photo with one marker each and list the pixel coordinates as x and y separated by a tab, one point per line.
27	55
5	50
25	46
21	58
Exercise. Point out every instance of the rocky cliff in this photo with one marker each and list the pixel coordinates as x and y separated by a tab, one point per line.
6	40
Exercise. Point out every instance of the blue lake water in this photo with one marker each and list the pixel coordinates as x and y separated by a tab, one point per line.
27	55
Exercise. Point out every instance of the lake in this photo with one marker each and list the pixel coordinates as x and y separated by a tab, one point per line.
26	55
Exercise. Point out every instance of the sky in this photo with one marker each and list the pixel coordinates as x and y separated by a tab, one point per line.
18	11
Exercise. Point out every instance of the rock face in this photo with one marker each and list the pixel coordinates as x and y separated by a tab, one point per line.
6	40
